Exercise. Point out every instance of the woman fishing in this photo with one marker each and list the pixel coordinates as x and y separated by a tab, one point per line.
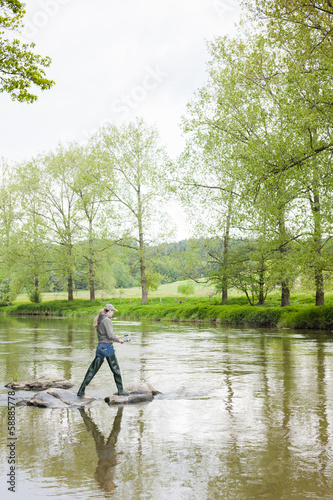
104	349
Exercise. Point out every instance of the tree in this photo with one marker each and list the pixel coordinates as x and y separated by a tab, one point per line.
206	182
302	31
260	111
10	214
132	172
186	289
53	176
92	201
20	68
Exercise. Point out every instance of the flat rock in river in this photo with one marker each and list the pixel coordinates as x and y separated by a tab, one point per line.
44	382
59	398
71	398
138	393
45	400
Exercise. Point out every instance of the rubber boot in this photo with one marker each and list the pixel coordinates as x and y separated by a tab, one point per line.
91	372
113	364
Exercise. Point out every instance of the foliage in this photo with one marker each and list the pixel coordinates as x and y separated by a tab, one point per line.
259	145
301	316
186	289
132	171
20	67
5	291
35	296
153	280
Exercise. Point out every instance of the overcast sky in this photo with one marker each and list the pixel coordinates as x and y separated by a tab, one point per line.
113	60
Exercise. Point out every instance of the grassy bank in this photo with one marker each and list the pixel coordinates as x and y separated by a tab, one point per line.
301	315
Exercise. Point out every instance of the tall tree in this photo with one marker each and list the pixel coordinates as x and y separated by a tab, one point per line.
133	169
252	106
206	181
10	214
59	206
96	236
36	257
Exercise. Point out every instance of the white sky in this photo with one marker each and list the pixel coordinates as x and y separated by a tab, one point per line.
113	60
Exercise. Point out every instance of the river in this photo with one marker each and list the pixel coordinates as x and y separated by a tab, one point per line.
244	413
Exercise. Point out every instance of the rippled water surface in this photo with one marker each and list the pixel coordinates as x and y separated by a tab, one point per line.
243	414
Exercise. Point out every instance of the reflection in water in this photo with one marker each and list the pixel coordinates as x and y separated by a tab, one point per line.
244	414
321	409
106	450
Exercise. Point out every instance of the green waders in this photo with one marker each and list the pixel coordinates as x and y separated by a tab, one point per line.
113	364
93	369
91	372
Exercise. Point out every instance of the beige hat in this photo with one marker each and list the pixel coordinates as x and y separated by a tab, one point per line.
110	307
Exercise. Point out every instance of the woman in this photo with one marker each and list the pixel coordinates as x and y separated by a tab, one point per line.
104	349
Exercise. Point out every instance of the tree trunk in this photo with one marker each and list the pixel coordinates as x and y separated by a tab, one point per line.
143	281
142	253
91	280
261	296
91	263
70	287
226	252
285	294
285	289
261	299
320	294
319	277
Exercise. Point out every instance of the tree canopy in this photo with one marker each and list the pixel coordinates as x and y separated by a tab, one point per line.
20	68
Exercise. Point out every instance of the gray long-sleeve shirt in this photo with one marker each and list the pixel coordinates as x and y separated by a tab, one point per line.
105	330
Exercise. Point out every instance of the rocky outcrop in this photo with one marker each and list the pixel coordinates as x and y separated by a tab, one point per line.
138	393
59	398
44	382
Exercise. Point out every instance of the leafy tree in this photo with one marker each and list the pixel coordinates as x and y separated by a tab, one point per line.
153	280
302	32
10	215
20	68
186	289
53	175
133	169
253	109
96	237
36	254
250	270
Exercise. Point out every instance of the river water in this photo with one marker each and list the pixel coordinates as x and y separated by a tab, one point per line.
244	414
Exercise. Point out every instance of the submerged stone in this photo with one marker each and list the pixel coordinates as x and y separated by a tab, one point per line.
142	387
44	382
138	393
59	398
45	400
71	398
22	402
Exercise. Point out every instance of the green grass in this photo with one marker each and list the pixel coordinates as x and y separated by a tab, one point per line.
302	314
166	290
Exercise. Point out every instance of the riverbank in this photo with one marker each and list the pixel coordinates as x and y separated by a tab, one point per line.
192	310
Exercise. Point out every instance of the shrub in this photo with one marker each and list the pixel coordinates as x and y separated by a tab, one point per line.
35	296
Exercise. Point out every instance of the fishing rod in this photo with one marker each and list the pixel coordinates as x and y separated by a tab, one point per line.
125	337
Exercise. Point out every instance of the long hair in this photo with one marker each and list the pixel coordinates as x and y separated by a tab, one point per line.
98	315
